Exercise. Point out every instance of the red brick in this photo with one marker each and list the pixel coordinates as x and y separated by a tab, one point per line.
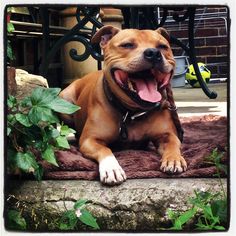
201	59
215	76
209	10
213	20
206	50
214	23
179	33
223	69
217	59
200	42
222	50
222	31
223	9
217	41
212	10
206	32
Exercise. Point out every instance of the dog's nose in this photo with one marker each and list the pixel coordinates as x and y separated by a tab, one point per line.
153	55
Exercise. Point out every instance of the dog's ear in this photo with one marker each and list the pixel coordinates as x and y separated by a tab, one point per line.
164	33
104	34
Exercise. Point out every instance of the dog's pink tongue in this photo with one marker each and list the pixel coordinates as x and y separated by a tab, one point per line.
147	90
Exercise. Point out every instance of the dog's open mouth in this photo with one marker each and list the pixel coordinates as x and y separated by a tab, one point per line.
144	85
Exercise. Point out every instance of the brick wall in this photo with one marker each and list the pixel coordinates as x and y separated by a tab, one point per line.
210	39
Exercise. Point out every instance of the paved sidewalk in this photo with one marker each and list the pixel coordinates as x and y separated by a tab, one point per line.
193	101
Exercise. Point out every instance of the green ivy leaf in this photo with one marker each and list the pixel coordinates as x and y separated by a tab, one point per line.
11	101
52	133
23	119
62	142
26	162
63	106
37	114
38	174
16	221
10	54
10	117
88	219
49	156
79	203
65	130
43	96
26	102
8	131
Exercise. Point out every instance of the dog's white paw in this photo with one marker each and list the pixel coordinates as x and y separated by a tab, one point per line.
110	171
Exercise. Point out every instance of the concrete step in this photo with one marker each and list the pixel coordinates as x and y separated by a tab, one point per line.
136	205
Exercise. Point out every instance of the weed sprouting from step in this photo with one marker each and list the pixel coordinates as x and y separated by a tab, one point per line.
208	210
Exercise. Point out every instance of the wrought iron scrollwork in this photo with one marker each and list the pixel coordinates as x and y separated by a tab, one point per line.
83	34
73	52
79	33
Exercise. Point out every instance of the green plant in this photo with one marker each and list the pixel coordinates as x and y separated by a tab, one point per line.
15	220
209	209
10	29
71	217
31	131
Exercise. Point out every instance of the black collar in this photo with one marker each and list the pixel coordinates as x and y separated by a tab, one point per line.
127	113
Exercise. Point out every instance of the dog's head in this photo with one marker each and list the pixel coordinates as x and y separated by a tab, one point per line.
137	63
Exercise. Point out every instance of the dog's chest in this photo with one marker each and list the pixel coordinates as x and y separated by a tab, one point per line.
136	133
136	138
133	131
135	128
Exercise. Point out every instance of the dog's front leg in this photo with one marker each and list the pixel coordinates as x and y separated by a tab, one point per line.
109	169
169	148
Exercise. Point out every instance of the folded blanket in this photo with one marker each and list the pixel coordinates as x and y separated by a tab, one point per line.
201	136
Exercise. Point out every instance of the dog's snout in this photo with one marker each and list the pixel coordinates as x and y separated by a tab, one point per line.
153	55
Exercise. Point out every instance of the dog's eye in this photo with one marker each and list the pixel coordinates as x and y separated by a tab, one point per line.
162	46
127	45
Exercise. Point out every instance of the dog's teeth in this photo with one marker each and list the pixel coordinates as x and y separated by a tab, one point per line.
130	85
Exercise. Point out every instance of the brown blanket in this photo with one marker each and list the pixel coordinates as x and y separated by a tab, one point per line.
201	136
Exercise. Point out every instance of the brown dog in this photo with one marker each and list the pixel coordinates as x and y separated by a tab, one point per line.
138	64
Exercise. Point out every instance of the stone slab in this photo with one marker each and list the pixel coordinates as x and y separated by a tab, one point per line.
136	205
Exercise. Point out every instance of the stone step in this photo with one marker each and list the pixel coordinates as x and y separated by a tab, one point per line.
136	205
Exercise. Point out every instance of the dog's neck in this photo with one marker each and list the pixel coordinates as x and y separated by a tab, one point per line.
130	114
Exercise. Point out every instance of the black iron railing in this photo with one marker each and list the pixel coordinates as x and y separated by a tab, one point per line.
133	17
